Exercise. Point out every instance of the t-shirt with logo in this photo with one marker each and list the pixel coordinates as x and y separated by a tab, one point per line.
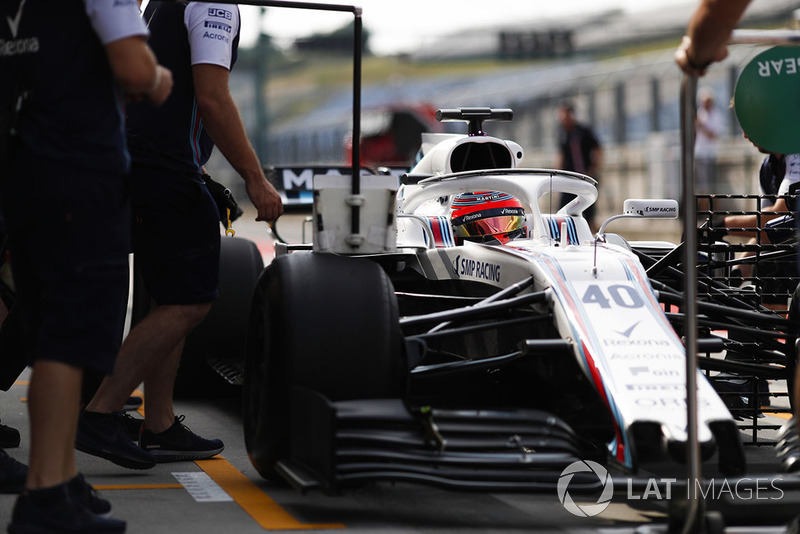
182	35
73	116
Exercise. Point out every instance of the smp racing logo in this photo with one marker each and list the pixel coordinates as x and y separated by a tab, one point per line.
593	469
476	269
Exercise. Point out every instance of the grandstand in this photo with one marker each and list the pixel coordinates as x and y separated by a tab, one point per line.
631	99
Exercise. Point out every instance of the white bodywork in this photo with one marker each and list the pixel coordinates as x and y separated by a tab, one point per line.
601	297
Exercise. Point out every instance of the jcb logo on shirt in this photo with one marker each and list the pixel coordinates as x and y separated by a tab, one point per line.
219	13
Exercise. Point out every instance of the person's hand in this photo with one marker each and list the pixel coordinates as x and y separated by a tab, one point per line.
265	198
691	61
162	88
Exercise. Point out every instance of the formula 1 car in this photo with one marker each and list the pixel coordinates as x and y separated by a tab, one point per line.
485	338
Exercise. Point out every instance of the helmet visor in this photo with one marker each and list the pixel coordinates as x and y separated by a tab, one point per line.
489	226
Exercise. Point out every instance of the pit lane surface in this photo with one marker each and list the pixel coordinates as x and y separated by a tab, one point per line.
226	494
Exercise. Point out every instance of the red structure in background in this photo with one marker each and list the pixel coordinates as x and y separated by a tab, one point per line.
391	136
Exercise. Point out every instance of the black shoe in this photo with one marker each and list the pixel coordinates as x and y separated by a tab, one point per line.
54	510
9	437
85	494
103	435
12	474
132	425
178	443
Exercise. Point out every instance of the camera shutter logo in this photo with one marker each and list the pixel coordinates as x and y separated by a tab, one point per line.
585	510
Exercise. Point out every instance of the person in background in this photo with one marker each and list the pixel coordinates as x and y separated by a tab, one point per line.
708	128
62	142
198	41
579	150
779	176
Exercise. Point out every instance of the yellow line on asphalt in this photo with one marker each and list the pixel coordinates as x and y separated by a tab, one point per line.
139	393
22	383
258	505
786	416
265	511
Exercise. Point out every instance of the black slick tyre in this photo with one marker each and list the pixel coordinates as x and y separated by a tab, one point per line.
327	323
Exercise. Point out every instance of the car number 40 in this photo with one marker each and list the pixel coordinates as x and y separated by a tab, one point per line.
615	295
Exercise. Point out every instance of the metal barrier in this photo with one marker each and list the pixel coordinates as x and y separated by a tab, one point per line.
694	512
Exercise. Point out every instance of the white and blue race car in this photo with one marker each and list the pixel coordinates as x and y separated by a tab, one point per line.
480	336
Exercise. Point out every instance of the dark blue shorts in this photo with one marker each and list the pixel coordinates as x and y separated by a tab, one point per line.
69	240
176	236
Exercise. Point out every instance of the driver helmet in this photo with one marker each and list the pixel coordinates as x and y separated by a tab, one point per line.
487	217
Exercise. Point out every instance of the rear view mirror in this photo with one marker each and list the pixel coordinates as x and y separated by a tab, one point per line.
645	208
661	208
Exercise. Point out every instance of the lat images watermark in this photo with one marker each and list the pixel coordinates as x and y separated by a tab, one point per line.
655	489
585	510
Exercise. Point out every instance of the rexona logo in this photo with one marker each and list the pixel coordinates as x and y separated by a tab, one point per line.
585	510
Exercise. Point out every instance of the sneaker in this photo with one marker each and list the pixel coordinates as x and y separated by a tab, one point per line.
104	435
178	443
12	474
132	425
85	494
58	512
9	437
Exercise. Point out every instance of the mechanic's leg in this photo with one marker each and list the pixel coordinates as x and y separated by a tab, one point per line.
144	351
158	389
53	405
159	386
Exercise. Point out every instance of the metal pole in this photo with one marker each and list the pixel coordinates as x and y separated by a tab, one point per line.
688	103
355	213
261	80
294	5
355	210
765	37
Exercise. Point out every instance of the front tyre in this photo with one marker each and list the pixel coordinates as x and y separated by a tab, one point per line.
323	322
